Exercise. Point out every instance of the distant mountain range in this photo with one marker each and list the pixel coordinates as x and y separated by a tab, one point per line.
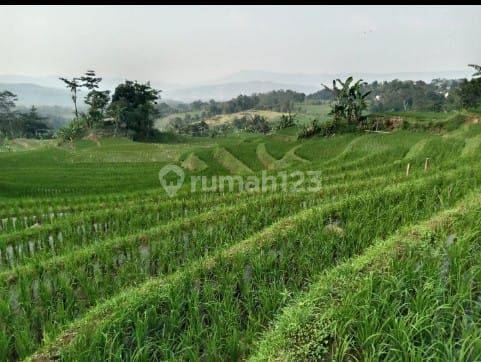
317	79
49	91
33	94
225	91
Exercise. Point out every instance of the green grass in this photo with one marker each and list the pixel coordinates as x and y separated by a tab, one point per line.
278	260
410	297
307	112
97	262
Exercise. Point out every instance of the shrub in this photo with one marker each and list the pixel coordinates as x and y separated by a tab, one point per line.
326	128
286	121
257	123
73	130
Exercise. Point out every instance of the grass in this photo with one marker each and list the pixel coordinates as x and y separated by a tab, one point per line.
472	146
409	297
230	162
275	261
97	262
194	163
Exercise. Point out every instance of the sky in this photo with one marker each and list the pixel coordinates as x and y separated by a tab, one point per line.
194	44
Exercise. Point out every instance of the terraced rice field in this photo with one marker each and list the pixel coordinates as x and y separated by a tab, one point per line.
98	263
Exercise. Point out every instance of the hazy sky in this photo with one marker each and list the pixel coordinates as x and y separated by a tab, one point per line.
186	44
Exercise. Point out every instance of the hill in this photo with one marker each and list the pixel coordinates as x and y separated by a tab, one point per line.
306	79
33	94
226	91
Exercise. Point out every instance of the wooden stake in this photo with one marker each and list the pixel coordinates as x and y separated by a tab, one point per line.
426	164
407	169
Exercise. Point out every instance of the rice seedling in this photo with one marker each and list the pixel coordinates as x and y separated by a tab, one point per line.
97	262
414	296
205	310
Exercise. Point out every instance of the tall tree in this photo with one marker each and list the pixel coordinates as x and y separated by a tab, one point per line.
95	99
32	125
90	80
7	113
7	102
97	102
74	85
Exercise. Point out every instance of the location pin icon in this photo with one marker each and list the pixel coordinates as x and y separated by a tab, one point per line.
171	187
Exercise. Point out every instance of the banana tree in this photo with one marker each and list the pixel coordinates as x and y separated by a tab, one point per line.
349	100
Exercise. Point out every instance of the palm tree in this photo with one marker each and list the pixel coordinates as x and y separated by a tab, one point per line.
477	68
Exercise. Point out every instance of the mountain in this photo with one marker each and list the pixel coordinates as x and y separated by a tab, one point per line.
256	81
33	94
226	91
49	90
317	79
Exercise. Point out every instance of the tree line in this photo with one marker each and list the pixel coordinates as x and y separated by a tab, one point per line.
277	100
407	95
350	101
17	124
133	107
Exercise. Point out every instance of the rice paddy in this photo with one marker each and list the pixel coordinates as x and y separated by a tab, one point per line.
98	262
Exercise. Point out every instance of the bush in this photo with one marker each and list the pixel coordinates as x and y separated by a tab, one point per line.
286	121
73	130
197	129
156	136
257	123
325	129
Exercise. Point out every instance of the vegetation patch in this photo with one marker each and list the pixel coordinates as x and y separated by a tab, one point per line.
230	162
194	163
472	147
266	159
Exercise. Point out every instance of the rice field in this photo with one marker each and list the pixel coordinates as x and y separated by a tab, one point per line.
98	262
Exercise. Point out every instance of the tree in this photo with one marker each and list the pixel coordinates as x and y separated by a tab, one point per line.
116	112
138	103
477	68
324	94
32	125
257	123
349	101
408	95
16	124
97	100
240	123
90	80
469	92
287	121
195	129
74	86
213	109
7	114
197	105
